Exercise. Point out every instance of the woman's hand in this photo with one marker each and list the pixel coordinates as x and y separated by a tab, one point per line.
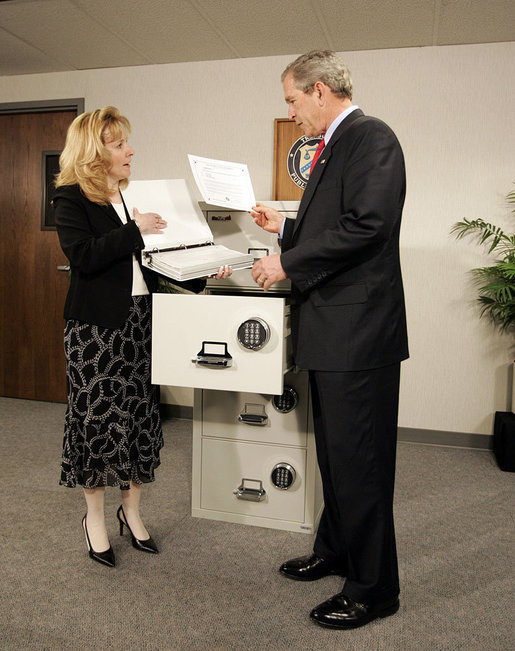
224	272
148	222
268	218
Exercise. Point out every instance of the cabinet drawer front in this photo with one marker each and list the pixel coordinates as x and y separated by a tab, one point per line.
224	414
226	463
183	323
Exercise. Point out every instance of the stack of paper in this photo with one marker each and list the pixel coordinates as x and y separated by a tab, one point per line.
185	250
185	264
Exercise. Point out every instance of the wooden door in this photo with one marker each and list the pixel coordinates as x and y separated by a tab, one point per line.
32	290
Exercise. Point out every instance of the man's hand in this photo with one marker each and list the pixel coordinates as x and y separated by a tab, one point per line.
268	270
268	218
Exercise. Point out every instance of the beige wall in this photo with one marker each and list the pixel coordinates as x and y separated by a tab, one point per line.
451	109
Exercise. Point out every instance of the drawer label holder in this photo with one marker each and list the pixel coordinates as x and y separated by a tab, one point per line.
213	354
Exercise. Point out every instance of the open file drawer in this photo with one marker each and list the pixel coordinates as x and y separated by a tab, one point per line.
231	343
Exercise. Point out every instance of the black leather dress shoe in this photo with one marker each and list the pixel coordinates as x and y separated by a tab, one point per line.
309	568
342	612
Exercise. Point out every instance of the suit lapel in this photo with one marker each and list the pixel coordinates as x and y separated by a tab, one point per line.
319	168
312	184
112	214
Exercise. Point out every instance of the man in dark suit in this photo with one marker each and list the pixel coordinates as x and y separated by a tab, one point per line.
349	331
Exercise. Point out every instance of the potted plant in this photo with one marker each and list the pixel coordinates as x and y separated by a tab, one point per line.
497	301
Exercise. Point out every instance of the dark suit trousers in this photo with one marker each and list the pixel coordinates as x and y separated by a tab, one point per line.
355	421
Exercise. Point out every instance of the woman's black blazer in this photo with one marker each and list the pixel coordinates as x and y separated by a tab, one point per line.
99	247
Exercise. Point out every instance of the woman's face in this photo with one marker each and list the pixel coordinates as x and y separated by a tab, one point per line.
121	154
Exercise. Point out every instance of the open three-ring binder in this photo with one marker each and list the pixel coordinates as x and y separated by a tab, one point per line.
186	249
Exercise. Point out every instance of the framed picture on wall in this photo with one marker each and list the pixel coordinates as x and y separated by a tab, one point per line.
293	155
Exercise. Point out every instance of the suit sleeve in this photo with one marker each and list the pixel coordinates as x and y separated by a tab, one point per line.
86	250
367	201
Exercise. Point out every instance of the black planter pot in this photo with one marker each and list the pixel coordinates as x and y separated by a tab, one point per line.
504	440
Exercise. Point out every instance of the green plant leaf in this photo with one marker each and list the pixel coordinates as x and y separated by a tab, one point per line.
496	283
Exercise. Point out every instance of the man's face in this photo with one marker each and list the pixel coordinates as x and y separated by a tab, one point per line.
304	108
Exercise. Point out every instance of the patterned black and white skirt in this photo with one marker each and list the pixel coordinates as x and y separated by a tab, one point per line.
112	433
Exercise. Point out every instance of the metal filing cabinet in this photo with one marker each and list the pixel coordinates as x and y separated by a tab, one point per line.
254	459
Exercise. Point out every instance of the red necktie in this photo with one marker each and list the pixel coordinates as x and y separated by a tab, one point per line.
321	145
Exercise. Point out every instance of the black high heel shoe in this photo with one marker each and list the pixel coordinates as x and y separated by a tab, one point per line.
106	558
147	545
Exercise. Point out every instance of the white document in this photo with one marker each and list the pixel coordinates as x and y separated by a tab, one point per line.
185	249
222	183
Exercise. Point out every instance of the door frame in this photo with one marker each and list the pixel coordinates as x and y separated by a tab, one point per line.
43	105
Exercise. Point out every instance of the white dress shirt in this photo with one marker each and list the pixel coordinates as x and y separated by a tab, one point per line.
139	286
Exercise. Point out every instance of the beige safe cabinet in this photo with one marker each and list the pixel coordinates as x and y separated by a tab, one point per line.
254	460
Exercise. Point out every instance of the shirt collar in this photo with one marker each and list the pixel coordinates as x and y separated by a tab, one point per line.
337	121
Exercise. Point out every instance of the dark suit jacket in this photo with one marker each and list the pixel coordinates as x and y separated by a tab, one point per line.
99	247
342	253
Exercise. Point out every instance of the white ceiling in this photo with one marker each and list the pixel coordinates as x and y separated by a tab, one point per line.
58	35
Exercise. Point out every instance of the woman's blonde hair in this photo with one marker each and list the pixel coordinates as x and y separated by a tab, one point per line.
85	160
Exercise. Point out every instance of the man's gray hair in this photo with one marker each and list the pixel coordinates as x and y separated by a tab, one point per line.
320	65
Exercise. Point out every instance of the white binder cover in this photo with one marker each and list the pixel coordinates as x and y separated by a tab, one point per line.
185	249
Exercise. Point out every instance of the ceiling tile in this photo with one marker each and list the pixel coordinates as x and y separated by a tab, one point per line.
476	21
162	31
267	27
62	31
19	58
377	24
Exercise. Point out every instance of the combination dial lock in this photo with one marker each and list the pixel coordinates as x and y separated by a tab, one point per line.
254	333
283	476
287	401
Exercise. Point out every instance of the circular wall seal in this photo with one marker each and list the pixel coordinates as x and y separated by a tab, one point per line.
300	158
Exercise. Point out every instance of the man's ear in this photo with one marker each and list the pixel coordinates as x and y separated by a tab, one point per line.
320	89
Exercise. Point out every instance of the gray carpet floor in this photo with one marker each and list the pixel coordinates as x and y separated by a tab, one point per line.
215	585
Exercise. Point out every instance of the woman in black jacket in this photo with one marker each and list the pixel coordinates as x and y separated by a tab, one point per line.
112	428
